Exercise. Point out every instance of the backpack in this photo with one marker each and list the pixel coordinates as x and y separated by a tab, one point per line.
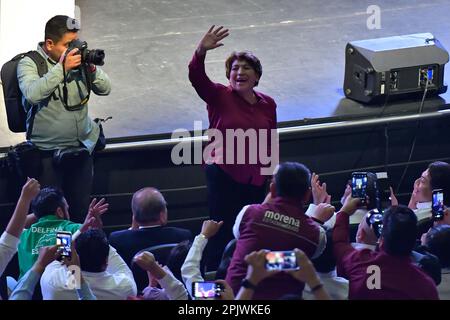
15	110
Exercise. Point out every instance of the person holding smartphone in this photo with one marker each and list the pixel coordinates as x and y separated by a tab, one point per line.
257	271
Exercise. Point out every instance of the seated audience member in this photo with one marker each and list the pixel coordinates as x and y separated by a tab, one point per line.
366	238
325	265
437	241
52	210
437	176
102	268
278	224
177	257
9	241
25	287
190	270
320	210
171	287
395	267
257	272
150	218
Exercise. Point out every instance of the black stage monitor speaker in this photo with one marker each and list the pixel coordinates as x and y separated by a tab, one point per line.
400	67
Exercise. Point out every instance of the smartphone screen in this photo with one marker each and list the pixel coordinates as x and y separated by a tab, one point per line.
64	240
206	290
359	185
437	206
281	260
384	191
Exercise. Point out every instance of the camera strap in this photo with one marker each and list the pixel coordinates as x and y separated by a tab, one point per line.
84	73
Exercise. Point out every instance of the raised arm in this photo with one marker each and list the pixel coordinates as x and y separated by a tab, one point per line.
205	88
36	89
190	270
341	239
101	84
29	191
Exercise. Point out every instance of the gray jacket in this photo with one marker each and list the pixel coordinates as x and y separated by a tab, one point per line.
54	126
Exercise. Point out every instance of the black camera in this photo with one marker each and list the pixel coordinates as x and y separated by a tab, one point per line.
374	219
375	186
95	56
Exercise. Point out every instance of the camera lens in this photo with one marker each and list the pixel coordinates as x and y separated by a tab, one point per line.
96	57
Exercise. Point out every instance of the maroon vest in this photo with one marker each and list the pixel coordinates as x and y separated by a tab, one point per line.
279	225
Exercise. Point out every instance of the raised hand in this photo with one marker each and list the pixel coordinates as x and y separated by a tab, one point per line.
257	271
210	228
145	260
227	293
347	192
211	39
94	216
394	201
350	205
306	272
73	60
324	212
30	189
46	256
319	191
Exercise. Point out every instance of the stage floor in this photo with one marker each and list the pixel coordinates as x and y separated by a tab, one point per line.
301	44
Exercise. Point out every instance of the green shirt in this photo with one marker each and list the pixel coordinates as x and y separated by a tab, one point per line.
41	234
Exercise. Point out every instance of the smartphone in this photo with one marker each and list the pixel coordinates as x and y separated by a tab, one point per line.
384	188
64	240
437	206
359	186
206	290
281	260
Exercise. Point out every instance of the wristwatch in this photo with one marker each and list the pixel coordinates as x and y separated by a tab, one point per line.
248	285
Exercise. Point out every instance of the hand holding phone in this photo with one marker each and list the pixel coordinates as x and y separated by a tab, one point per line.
64	241
206	290
281	260
437	206
359	186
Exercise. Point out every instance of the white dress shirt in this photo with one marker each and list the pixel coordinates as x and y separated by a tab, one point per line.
8	247
172	287
190	270
337	287
116	283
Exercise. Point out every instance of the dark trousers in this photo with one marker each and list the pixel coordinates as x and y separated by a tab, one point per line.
226	198
75	182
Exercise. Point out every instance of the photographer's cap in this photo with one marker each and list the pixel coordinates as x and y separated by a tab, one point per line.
73	24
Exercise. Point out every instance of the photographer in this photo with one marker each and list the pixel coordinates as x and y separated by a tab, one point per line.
57	110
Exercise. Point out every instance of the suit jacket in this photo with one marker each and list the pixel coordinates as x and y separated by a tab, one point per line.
129	242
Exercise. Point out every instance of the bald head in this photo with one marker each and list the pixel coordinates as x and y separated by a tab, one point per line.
148	206
366	234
